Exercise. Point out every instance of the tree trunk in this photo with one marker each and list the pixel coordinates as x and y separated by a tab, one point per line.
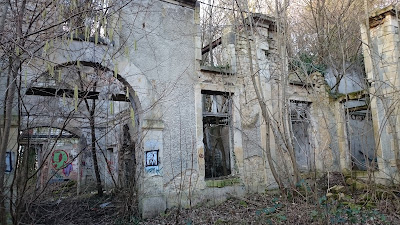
6	134
93	146
5	130
282	43
14	66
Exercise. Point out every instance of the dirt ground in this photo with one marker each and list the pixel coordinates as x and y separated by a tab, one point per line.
344	204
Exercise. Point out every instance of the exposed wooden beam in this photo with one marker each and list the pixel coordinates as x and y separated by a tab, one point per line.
357	108
69	93
214	44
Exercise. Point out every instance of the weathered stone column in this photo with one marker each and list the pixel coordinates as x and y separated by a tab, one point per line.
344	151
152	201
382	67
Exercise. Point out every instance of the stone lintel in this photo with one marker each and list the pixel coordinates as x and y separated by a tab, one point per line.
220	70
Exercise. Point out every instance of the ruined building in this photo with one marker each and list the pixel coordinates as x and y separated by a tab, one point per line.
185	131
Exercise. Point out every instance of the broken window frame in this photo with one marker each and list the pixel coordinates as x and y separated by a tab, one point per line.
358	113
217	112
302	115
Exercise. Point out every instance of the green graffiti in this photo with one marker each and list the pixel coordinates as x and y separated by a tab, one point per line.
59	159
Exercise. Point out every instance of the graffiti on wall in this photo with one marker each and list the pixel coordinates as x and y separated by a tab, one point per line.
56	175
67	170
59	159
154	170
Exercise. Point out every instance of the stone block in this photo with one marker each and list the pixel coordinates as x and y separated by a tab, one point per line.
152	206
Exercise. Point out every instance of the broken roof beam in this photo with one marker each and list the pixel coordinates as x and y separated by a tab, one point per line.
214	44
357	95
357	108
69	93
44	136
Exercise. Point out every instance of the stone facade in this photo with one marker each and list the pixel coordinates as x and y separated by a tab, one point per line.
184	133
188	133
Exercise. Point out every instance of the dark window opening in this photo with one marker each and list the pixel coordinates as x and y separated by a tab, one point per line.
216	131
128	158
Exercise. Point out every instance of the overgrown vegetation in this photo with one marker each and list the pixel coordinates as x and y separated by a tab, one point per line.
332	200
311	203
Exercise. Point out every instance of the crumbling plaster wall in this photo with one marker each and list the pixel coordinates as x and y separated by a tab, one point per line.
47	115
162	37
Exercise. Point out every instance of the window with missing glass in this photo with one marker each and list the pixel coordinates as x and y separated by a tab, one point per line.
300	126
217	116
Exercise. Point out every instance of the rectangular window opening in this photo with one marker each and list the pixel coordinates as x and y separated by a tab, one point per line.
217	113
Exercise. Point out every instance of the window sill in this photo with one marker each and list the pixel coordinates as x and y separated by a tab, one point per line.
215	69
223	182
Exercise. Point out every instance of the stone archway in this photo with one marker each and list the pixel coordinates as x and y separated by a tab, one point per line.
65	90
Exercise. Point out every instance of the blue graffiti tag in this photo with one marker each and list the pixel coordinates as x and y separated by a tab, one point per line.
154	170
